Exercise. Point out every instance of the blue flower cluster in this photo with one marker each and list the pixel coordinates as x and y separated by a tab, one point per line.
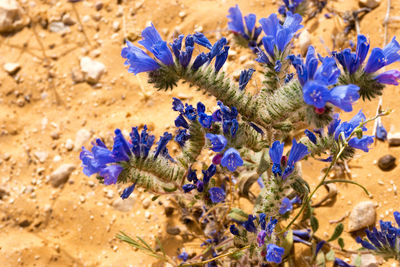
289	6
316	82
379	58
138	61
236	25
106	163
287	204
386	241
277	36
297	153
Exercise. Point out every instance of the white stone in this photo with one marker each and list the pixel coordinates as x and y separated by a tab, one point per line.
61	175
367	260
82	136
304	41
58	27
394	139
12	68
123	205
10	16
146	203
369	3
69	144
92	69
116	25
362	215
147	214
41	156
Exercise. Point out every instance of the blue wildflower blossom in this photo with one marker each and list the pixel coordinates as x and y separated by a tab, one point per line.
297	153
274	253
221	59
380	58
380	131
311	136
205	120
341	263
217	194
137	60
319	246
278	35
236	25
348	127
305	70
183	256
200	60
183	57
162	144
207	174
271	226
200	39
190	112
228	117
182	137
389	77
275	154
249	224
128	191
244	78
188	187
218	142
177	105
233	229
286	206
192	176
361	143
231	159
289	5
180	121
152	41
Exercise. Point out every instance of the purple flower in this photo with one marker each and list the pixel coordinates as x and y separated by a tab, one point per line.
231	159
274	253
311	136
286	206
271	226
344	96
217	194
305	71
207	174
200	60
183	256
249	224
177	105
183	57
110	174
297	153
162	144
128	191
218	142
389	77
341	263
275	154
182	137
205	120
261	238
233	230
190	112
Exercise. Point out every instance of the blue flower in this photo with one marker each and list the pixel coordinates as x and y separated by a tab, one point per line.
152	41
348	127
271	226
182	137
249	224
205	120
362	143
192	176
217	194
128	191
262	221
231	159
278	35
200	39
200	60
275	154
207	174
344	96
236	20
183	256
137	59
305	71
221	59
289	6
110	173
245	76
188	187
218	142
380	58
297	153
141	144
261	238
351	62
233	229
320	244
274	253
162	144
184	57
341	263
177	105
190	112
316	94
380	131
286	206
217	48
389	77
311	136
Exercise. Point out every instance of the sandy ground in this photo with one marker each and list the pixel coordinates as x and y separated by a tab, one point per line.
41	108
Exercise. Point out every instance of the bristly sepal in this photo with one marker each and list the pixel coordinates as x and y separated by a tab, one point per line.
164	78
370	87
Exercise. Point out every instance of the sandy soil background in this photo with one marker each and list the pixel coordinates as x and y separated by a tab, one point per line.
46	115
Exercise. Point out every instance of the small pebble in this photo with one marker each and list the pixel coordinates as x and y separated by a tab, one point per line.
387	162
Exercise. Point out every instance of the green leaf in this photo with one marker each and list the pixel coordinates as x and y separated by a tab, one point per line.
314	223
160	245
357	261
307	211
144	243
330	256
347	181
321	259
341	242
287	242
237	255
337	232
238	215
155	197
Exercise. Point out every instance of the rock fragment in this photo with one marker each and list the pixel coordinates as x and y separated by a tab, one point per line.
367	260
92	69
173	230
369	3
362	215
12	68
123	205
394	139
82	136
387	162
61	175
11	18
304	42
